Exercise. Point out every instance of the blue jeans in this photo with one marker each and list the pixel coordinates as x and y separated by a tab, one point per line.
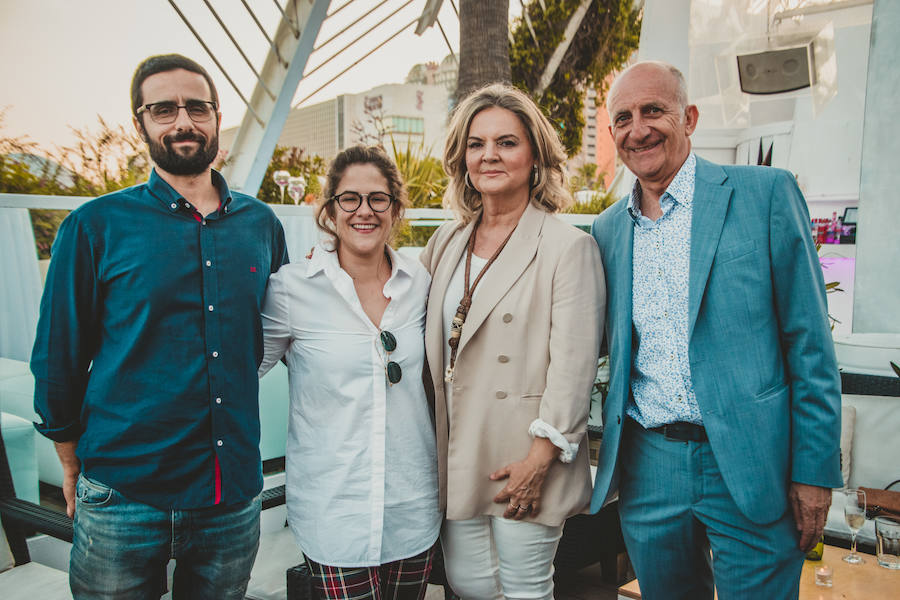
121	547
676	511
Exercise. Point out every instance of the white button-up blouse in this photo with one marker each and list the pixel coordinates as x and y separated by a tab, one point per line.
361	461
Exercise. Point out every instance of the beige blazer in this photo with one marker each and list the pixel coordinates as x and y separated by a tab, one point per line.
528	350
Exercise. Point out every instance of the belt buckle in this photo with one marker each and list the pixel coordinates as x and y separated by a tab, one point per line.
670	438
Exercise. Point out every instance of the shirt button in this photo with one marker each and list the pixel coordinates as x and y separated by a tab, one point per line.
210	308
173	206
187	205
507	318
219	443
209	263
501	395
203	221
215	354
218	401
680	399
503	358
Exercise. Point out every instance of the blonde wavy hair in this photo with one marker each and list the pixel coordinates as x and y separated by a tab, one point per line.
549	191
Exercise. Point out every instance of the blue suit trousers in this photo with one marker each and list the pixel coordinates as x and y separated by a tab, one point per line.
684	532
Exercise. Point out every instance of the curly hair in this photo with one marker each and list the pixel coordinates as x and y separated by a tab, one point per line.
548	191
359	155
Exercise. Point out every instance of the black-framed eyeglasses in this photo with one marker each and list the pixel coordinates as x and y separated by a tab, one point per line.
391	368
165	112
351	201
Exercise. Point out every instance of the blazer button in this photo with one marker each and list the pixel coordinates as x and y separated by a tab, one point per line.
501	395
507	318
503	358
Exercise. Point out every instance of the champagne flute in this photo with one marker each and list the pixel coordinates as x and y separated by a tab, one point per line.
281	180
855	515
296	187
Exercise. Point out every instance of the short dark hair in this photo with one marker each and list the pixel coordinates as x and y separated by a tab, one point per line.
160	64
359	155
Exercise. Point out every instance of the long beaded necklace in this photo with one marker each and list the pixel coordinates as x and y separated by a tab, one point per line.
462	311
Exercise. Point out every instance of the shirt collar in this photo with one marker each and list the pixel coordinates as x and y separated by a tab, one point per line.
173	201
680	189
324	259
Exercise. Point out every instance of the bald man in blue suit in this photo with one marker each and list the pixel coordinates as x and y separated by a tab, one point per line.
722	423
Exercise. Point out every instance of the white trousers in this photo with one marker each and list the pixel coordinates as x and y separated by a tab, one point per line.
492	558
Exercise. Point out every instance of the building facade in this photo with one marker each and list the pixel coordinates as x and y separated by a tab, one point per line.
405	114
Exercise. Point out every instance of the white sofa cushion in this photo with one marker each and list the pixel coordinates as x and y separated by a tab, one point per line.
19	438
876	445
873	457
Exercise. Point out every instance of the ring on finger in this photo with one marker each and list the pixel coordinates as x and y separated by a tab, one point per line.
525	508
516	507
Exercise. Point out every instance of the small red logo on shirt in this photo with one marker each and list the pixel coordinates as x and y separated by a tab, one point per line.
253	269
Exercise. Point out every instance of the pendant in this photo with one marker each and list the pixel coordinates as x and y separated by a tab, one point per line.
448	375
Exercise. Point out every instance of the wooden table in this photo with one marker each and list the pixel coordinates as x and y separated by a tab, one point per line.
851	582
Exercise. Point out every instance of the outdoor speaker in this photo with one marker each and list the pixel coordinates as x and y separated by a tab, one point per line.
775	71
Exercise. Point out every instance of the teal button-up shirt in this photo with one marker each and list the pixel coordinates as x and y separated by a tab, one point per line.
149	338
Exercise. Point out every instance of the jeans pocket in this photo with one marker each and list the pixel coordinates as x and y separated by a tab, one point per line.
92	493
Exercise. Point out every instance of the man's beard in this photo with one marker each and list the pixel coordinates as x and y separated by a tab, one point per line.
170	161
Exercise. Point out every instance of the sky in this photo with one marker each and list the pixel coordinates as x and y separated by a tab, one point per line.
65	62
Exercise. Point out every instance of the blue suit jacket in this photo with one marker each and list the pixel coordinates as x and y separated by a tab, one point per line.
760	350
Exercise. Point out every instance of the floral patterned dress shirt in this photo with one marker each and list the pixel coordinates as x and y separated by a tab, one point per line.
662	391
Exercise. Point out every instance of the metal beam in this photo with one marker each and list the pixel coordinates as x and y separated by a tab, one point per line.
429	15
254	143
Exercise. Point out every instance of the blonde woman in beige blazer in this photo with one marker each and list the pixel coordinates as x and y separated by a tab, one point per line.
511	402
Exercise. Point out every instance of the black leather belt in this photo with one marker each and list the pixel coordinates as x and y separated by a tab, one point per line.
682	432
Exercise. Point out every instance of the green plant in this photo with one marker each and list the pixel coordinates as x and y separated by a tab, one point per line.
586	177
100	161
596	205
606	37
830	287
103	160
425	184
296	162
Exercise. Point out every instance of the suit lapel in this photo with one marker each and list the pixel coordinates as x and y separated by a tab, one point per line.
710	205
506	270
623	259
620	268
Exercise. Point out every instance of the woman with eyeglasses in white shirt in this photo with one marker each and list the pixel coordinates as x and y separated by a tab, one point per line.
362	485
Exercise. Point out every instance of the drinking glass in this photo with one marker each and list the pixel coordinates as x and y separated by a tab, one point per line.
887	542
855	515
281	180
296	187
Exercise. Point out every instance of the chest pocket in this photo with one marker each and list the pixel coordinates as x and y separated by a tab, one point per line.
736	251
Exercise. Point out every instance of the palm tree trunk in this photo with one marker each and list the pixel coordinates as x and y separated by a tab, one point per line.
483	44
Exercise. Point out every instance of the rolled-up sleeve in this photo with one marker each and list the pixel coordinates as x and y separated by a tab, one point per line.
67	332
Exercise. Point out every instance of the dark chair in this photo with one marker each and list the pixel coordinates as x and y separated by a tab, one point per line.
869	385
21	517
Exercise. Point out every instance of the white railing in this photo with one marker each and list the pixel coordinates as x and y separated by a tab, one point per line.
20	293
